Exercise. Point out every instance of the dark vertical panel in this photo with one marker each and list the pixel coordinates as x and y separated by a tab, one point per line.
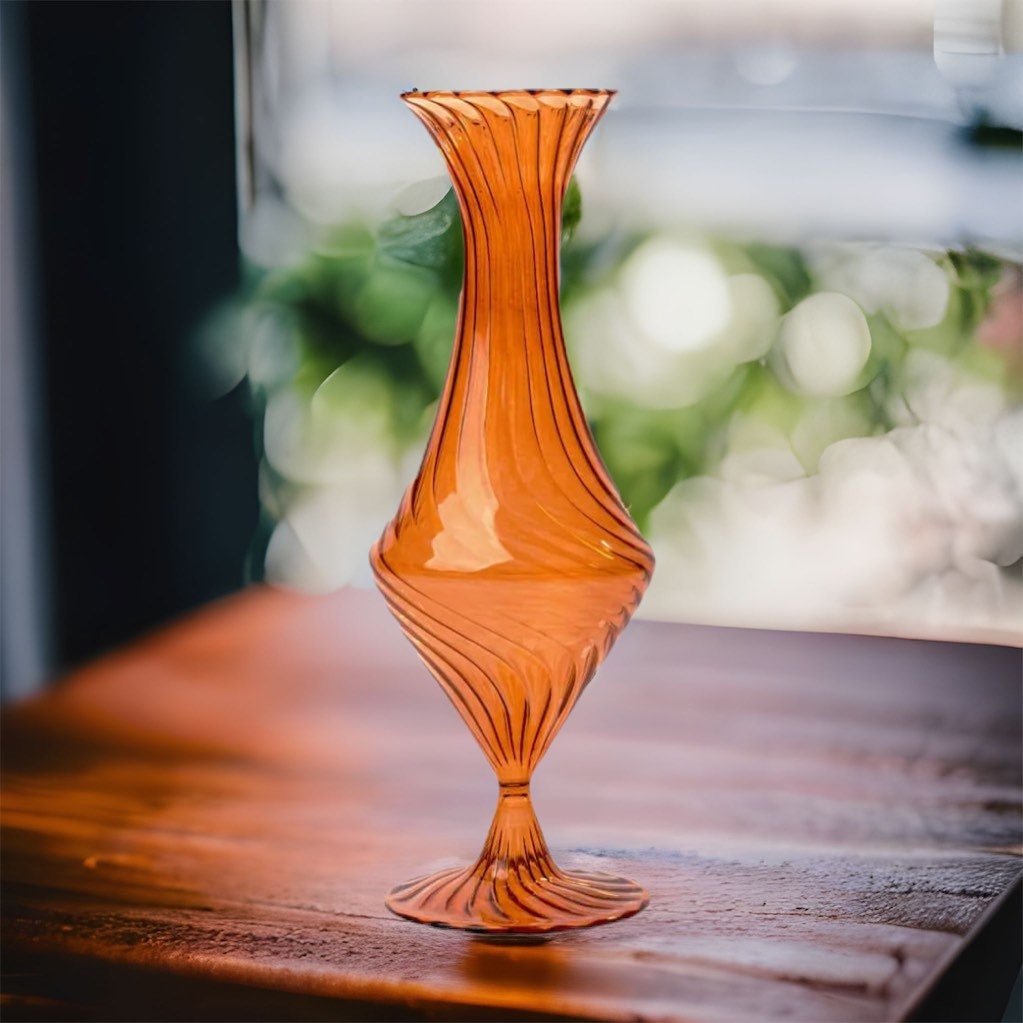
26	654
153	487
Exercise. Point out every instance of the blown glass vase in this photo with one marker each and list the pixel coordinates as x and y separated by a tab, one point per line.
512	564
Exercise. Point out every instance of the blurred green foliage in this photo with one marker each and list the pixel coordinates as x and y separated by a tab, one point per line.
388	298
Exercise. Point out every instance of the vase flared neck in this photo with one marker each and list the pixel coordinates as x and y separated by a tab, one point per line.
507	149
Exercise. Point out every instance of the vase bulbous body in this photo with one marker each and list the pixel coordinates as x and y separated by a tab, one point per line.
512	564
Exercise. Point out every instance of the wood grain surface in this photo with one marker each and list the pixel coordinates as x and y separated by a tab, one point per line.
213	816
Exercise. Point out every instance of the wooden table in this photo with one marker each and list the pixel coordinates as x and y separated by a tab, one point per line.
203	826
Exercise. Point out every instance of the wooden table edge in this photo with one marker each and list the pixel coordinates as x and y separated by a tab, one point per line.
1004	916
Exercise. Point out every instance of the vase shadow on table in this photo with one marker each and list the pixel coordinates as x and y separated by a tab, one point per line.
516	962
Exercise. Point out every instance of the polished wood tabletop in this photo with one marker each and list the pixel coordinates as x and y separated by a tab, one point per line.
205	824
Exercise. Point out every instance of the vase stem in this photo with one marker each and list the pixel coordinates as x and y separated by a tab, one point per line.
515	842
515	886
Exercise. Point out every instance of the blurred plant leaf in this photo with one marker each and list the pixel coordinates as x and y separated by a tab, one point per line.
784	268
767	400
360	388
430	239
346	241
435	339
977	274
887	350
955	331
647	451
391	304
571	210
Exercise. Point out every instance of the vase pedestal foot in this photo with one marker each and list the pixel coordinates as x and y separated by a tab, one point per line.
515	887
516	902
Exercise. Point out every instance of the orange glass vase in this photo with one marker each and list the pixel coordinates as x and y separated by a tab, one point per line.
512	564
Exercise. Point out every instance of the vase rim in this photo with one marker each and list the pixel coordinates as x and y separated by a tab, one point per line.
460	93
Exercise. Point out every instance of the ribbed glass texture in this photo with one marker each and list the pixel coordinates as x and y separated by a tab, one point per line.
512	564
